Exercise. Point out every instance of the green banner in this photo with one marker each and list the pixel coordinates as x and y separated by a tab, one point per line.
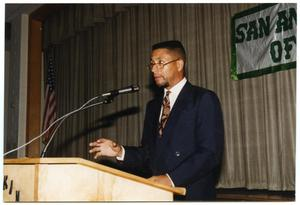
263	40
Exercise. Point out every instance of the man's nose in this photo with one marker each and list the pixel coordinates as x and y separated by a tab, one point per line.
155	68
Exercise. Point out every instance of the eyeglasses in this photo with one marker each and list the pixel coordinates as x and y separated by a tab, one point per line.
160	64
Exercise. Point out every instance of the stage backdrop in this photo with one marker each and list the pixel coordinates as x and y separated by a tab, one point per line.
102	47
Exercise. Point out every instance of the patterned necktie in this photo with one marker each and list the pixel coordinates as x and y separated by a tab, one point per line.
165	113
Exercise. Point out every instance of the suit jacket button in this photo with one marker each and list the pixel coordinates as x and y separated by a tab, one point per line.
177	154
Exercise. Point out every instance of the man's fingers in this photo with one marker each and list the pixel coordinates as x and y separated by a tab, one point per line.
97	142
98	154
101	140
106	147
95	149
93	144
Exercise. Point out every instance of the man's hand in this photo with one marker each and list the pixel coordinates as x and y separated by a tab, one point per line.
161	179
105	147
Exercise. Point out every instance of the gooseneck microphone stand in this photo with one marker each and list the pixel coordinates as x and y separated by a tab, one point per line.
107	100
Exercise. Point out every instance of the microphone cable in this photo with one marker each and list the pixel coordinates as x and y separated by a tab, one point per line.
60	123
52	124
107	100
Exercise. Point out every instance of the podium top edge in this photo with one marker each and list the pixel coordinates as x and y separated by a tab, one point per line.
54	160
84	162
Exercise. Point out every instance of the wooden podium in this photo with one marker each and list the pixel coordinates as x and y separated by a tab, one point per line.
76	179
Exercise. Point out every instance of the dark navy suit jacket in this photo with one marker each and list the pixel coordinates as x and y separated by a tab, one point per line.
191	147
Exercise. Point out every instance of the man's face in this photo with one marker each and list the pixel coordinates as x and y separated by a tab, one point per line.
169	74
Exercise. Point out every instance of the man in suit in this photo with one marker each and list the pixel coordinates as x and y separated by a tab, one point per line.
182	141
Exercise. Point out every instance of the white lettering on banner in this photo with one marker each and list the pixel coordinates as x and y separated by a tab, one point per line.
263	40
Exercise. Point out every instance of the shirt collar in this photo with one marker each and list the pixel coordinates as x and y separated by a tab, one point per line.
177	88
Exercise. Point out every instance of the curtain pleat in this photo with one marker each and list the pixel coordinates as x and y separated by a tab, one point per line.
99	47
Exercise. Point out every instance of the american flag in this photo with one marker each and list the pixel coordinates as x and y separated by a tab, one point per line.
50	100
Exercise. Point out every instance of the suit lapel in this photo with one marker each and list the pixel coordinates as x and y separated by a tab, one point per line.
180	104
156	112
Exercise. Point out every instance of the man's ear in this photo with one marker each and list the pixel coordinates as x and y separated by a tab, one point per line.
180	65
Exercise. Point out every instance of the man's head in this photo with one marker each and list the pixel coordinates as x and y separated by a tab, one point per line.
167	63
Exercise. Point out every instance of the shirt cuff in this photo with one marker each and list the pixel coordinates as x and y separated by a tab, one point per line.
123	154
170	180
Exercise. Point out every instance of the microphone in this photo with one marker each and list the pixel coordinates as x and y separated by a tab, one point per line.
129	89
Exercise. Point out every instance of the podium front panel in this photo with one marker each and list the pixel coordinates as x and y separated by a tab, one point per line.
75	179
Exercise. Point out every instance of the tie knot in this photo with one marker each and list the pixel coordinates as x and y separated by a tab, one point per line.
168	93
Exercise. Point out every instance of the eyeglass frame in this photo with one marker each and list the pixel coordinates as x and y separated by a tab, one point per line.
161	65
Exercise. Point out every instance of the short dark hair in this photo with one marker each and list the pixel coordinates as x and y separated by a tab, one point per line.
173	45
